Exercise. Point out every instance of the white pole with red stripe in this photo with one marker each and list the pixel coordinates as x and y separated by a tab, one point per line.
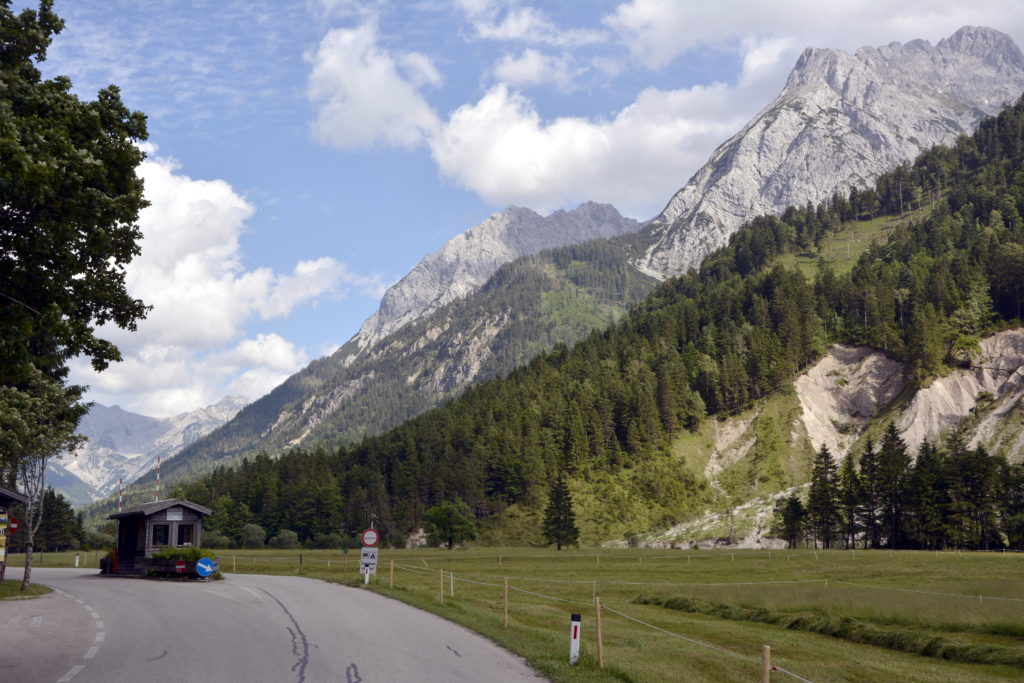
574	639
120	494
158	478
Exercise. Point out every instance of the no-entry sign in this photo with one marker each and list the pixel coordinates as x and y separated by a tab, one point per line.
370	538
179	566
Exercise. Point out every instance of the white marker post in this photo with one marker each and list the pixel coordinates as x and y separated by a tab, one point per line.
76	560
574	639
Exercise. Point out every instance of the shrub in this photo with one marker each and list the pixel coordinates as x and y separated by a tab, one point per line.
285	540
214	540
253	536
328	541
186	554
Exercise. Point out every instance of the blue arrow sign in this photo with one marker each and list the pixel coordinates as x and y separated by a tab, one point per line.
204	567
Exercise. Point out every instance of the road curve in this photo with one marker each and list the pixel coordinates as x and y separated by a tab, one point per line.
250	628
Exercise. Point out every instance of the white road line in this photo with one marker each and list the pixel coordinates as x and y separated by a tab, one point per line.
92	651
99	625
11	623
101	636
35	621
80	602
71	674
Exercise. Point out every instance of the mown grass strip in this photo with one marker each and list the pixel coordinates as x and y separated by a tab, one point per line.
11	590
926	643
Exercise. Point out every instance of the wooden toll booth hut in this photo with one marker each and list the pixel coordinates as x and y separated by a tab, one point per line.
151	527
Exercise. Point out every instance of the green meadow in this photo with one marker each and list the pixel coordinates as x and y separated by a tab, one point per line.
705	615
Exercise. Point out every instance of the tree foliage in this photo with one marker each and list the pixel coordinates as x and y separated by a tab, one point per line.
450	522
559	517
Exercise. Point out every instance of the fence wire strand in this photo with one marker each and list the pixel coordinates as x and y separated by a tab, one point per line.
701	643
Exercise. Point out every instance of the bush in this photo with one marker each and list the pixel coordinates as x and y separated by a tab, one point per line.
328	541
253	536
286	539
214	540
186	554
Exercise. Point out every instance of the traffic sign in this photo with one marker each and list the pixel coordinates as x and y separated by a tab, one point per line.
179	566
205	567
370	538
368	560
13	524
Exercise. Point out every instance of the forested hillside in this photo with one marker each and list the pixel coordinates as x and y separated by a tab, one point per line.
705	344
524	309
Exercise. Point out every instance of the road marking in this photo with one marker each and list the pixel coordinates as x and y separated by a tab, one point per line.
92	651
11	623
71	674
101	636
99	625
35	621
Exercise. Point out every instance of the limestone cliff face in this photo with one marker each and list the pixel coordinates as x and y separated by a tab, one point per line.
841	120
466	261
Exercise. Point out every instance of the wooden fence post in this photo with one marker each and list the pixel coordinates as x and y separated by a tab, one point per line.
506	602
391	578
600	642
766	663
441	574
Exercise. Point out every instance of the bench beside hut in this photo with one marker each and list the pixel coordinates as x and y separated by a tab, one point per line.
151	527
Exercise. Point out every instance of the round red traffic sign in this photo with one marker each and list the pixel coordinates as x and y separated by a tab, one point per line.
13	524
370	538
179	566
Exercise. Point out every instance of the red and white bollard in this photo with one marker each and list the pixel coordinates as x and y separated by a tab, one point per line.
366	575
574	639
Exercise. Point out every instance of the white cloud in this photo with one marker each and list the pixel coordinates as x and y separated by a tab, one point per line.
505	20
534	68
362	95
659	31
192	349
501	148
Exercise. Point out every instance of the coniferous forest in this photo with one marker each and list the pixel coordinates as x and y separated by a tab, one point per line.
706	344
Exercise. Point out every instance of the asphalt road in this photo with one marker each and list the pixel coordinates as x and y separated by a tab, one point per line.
278	629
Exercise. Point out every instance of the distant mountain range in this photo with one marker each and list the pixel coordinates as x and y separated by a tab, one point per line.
460	317
124	444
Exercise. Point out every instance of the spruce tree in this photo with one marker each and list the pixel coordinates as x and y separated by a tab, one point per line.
850	495
823	498
559	518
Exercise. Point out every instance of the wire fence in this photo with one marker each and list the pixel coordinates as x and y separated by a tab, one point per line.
545	598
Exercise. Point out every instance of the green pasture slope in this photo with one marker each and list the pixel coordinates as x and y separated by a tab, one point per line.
816	609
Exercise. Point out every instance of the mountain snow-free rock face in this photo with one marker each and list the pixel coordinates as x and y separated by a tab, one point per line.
465	262
124	444
841	120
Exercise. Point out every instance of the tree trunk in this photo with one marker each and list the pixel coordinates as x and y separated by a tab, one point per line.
27	580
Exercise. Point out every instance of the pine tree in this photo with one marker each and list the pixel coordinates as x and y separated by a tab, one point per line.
893	474
559	518
823	498
850	495
788	523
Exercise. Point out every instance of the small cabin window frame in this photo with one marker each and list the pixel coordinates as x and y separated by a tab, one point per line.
161	534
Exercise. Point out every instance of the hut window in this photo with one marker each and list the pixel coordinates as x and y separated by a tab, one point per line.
161	534
185	534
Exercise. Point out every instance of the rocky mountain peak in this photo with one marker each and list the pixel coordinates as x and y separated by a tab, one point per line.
842	119
464	263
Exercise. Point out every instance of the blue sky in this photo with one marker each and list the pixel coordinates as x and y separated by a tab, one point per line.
305	155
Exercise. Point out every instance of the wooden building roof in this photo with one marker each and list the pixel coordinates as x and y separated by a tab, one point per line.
11	497
147	509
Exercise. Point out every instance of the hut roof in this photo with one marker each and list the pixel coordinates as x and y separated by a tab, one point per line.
147	509
10	496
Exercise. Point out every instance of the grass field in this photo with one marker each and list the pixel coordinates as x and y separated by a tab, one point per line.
968	607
